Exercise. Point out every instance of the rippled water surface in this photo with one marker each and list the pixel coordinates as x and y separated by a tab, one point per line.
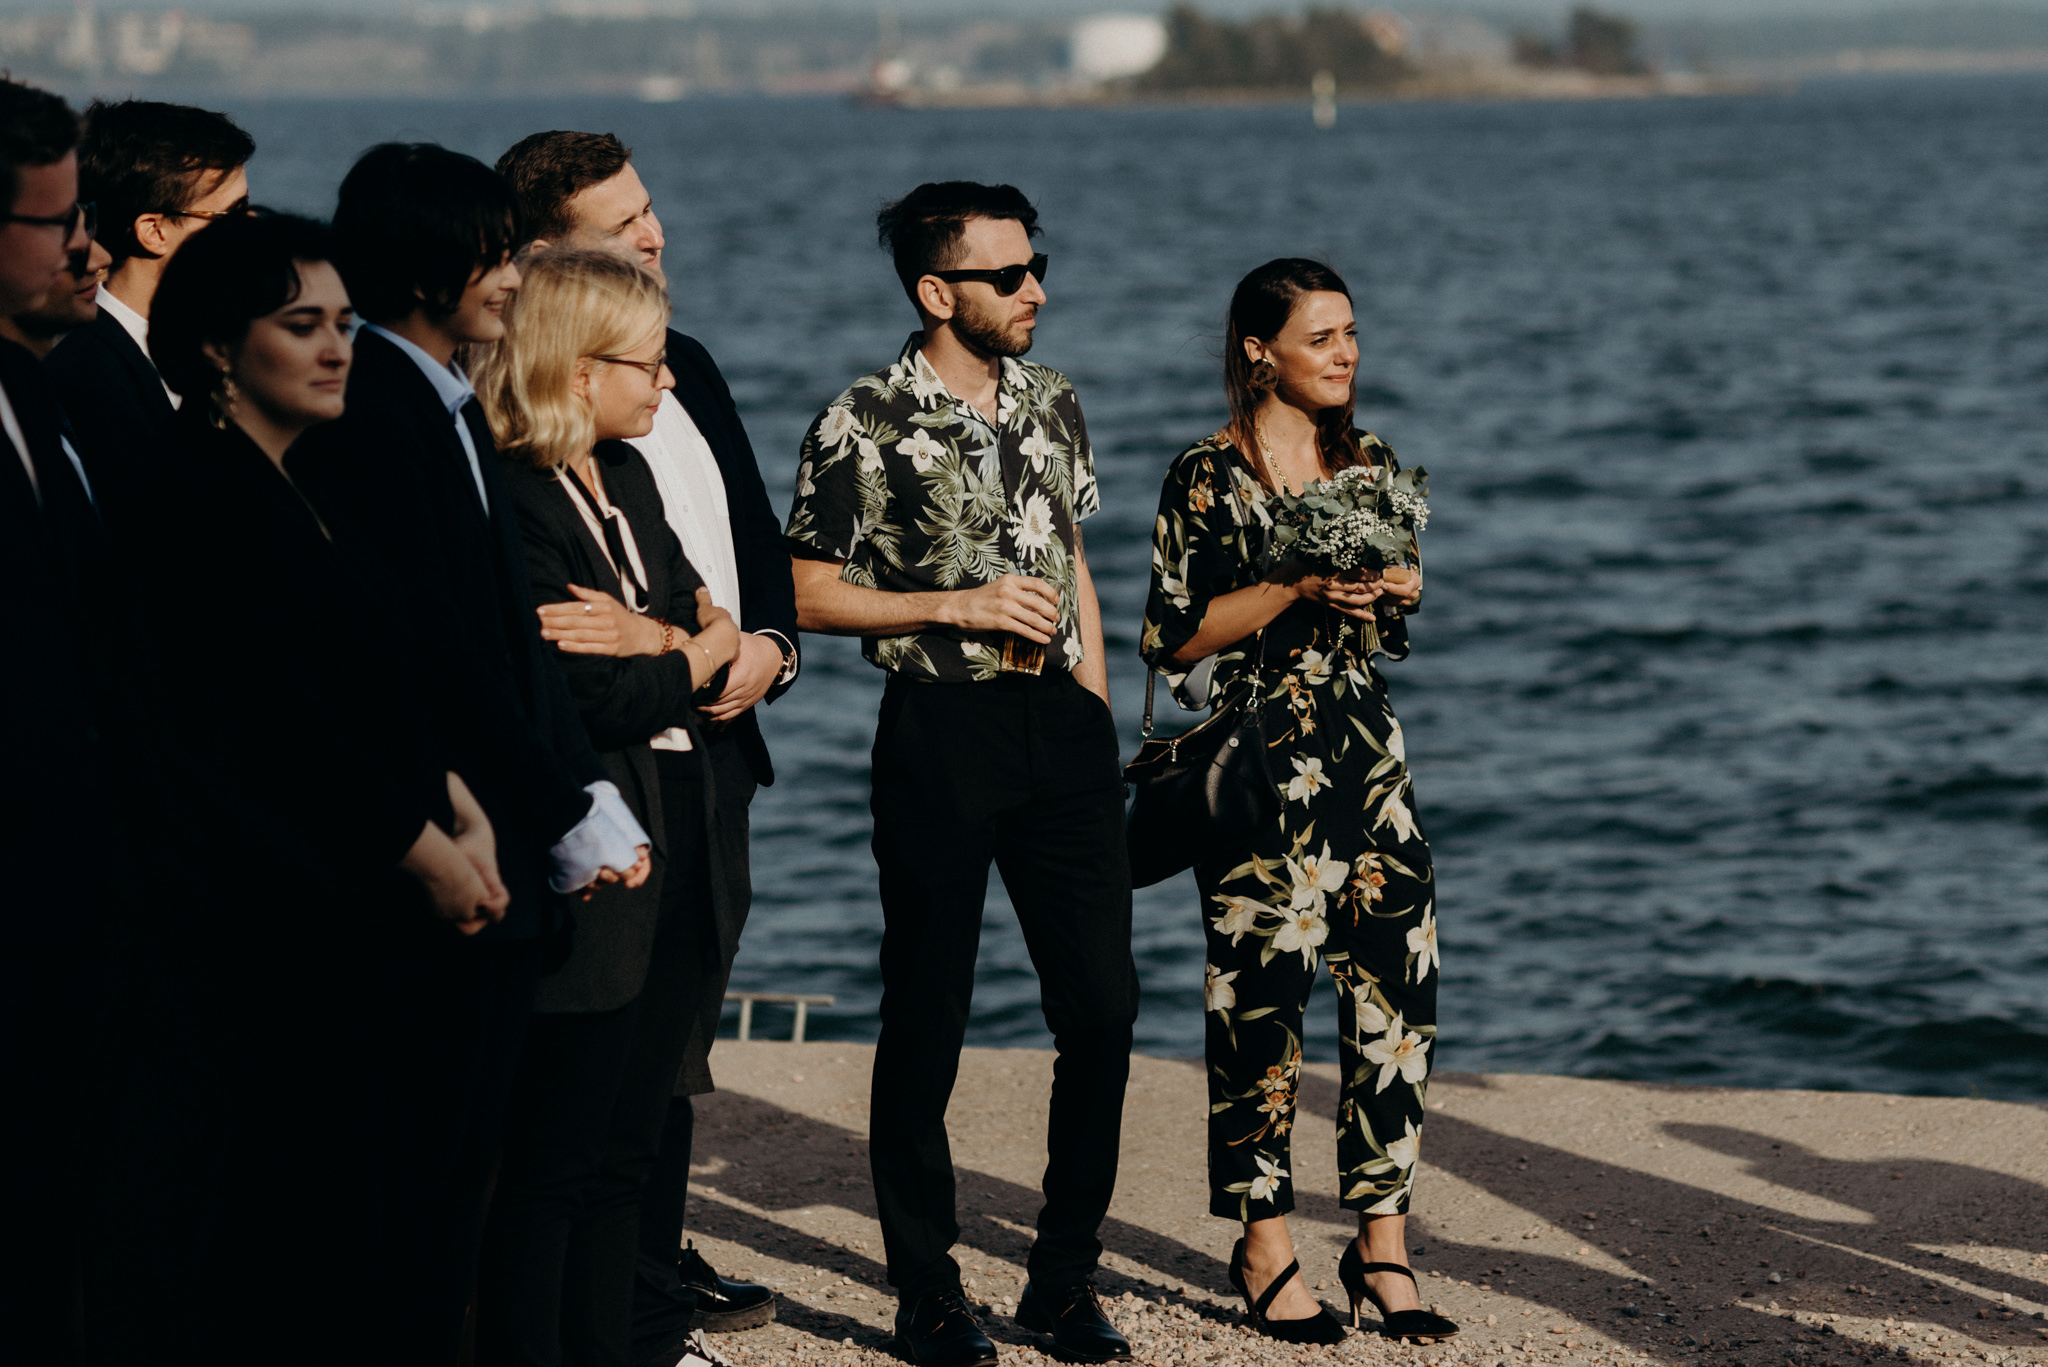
1729	707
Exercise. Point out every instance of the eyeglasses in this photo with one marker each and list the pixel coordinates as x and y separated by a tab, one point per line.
651	368
85	211
1008	280
239	209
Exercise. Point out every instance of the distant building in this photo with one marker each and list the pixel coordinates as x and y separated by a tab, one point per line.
1115	47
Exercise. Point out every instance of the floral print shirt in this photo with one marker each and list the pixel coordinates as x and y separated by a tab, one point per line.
916	491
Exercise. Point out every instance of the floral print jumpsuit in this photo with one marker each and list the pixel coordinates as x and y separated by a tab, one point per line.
1343	877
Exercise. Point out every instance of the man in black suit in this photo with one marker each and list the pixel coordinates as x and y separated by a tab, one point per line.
158	173
55	836
425	238
580	190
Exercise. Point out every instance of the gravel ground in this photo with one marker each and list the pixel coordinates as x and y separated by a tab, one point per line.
1559	1220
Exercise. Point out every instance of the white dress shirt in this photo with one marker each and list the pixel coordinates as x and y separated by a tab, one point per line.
136	326
693	499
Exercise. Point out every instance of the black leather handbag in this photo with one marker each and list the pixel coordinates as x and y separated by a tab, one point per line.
1205	792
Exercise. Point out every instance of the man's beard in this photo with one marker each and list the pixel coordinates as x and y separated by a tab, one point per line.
984	335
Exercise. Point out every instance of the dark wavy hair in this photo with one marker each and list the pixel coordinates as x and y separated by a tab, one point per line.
36	129
145	157
547	170
220	282
1259	308
415	223
923	230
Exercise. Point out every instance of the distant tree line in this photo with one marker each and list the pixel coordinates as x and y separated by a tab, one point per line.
1604	44
1270	52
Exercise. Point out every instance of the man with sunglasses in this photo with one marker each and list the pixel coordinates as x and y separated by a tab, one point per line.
935	517
158	174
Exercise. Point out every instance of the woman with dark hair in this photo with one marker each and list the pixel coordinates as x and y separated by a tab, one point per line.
1344	875
285	654
582	366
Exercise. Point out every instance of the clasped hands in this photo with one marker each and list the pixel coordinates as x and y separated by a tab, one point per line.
1355	596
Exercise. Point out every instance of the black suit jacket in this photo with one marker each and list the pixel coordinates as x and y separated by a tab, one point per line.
120	416
767	592
394	466
54	817
624	701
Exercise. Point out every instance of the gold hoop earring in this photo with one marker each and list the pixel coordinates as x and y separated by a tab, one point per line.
1264	375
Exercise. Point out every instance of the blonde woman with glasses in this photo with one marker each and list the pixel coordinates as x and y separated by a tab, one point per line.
579	370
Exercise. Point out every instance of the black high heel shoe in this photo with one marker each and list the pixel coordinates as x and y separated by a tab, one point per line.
1321	1327
1395	1324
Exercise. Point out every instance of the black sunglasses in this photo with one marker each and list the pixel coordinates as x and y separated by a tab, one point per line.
1007	281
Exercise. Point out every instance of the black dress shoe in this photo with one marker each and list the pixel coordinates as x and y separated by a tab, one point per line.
941	1331
723	1306
1073	1316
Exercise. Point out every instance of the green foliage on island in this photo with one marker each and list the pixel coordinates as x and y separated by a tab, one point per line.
1603	44
1270	52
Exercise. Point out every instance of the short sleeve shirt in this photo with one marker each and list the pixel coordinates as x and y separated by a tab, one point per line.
916	491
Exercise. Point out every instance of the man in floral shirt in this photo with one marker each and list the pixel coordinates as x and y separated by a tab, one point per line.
936	517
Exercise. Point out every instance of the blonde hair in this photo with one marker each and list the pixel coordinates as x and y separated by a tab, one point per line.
570	304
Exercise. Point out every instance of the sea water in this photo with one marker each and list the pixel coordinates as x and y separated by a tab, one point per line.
1728	711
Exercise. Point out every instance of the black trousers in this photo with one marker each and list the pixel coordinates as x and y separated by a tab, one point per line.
1022	771
661	1305
464	1007
585	1130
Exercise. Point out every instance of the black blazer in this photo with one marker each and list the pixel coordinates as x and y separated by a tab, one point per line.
306	704
394	466
54	819
624	702
767	592
120	417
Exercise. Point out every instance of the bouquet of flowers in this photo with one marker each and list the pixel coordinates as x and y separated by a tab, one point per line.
1358	522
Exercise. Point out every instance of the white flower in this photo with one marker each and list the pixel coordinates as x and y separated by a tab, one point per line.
1308	779
1316	667
1268	1180
1173	582
925	384
921	448
870	454
1217	993
1371	1020
1399	1050
1037	446
1394	812
1403	1152
1303	930
836	425
1397	744
1422	943
1315	877
1241	914
1074	653
1031	524
1006	404
804	487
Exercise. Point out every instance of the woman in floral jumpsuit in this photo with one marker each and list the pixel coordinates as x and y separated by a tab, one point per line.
1343	877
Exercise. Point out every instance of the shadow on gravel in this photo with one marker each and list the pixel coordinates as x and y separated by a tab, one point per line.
781	1162
1720	1274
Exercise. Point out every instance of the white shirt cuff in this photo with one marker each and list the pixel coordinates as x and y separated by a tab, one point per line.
607	838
